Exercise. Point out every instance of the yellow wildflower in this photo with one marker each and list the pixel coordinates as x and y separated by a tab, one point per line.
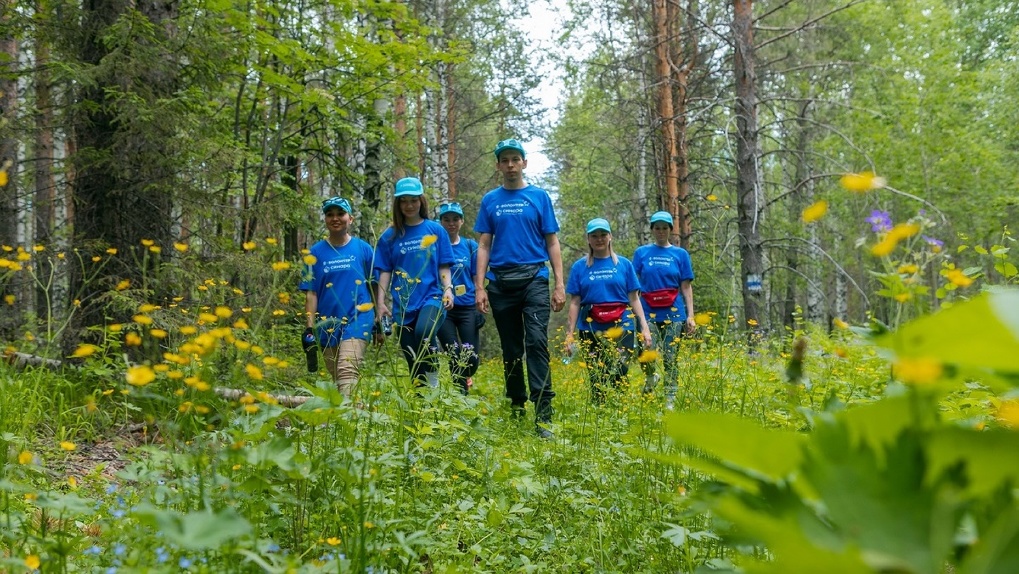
132	339
248	245
907	269
702	319
10	299
140	375
903	297
1008	413
840	323
310	260
815	212
958	278
917	371
428	240
614	332
281	265
124	284
251	409
365	307
182	247
25	457
271	240
332	541
648	356
240	324
148	242
68	445
253	372
188	330
155	249
158	333
112	251
224	312
84	351
142	319
31	561
862	182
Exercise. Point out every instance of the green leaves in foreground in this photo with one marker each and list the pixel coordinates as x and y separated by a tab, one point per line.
883	487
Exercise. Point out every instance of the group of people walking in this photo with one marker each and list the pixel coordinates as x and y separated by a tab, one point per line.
440	287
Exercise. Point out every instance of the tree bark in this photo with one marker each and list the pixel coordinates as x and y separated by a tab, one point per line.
666	113
748	178
125	177
8	141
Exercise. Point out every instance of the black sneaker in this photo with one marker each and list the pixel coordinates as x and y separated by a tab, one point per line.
543	431
517	412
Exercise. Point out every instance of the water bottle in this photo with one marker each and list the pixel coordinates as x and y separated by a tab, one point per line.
387	325
311	352
571	351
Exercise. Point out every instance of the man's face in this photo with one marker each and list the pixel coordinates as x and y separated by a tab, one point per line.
511	165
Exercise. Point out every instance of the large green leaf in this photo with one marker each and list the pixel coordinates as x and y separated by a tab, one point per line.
980	333
983	455
997	550
202	530
774	454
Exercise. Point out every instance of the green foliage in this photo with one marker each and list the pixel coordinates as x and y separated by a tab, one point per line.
886	486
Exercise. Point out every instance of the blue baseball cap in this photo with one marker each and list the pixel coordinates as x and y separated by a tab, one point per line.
409	186
451	207
509	144
336	201
598	224
662	216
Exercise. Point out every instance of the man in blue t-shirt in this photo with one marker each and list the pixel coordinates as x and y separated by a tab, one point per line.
517	229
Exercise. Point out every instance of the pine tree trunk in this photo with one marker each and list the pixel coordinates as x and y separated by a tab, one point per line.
666	113
8	143
748	178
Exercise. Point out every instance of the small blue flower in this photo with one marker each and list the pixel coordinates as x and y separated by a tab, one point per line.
111	488
93	550
272	547
119	549
162	555
184	562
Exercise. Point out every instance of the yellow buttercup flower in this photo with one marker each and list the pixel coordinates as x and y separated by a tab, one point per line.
428	240
148	242
31	561
84	351
917	371
123	284
253	372
862	182
248	245
614	332
10	299
132	339
281	265
365	307
1008	413
25	457
224	312
68	445
310	260
958	278
840	323
702	319
648	356
142	319
182	247
907	269
140	375
815	212
332	541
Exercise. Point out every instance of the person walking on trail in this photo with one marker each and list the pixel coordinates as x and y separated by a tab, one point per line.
336	280
459	333
517	229
666	277
413	259
605	308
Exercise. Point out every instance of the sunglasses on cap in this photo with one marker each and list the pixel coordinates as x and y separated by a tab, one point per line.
336	201
451	207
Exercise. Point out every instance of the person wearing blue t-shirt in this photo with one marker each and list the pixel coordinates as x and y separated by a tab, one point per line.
459	333
336	281
665	274
517	229
604	306
413	258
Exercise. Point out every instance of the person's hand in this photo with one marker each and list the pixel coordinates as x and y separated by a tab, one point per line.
691	326
570	345
481	300
447	299
645	336
381	310
558	298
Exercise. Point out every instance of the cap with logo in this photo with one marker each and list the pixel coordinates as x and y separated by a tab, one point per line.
338	202
451	207
663	217
598	224
510	144
409	186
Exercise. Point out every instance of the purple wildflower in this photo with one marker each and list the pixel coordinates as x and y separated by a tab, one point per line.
880	221
936	243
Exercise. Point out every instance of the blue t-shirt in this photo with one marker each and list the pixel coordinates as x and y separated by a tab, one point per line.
415	280
603	282
663	268
340	277
465	263
519	220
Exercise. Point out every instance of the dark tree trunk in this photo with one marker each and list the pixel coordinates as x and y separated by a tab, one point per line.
748	181
124	181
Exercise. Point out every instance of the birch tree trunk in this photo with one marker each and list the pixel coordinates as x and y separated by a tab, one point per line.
748	177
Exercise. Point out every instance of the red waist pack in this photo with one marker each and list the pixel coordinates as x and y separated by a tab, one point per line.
607	312
660	297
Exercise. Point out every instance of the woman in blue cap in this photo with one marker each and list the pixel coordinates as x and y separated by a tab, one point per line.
604	307
459	333
665	274
336	281
413	259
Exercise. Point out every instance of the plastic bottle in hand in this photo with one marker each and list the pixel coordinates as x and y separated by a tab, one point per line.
310	349
571	352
